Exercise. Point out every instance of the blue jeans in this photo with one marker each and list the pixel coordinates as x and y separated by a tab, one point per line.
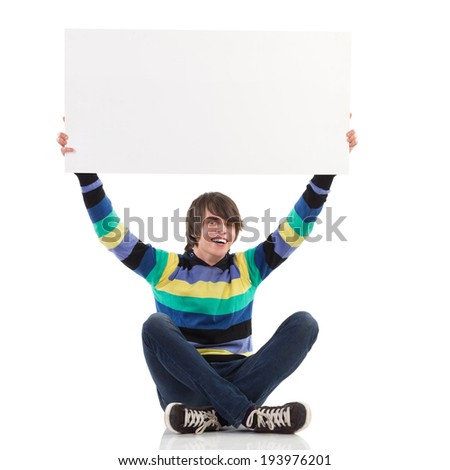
182	375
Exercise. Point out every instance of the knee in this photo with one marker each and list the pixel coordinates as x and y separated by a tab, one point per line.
155	323
305	324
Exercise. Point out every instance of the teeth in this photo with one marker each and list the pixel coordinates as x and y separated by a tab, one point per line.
219	240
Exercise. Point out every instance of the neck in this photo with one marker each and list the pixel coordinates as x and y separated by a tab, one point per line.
210	260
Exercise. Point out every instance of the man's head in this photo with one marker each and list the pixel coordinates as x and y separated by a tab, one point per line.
212	225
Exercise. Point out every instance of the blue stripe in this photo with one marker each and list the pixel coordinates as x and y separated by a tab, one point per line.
305	212
318	190
260	261
101	210
205	273
281	248
147	263
91	187
238	346
206	322
124	249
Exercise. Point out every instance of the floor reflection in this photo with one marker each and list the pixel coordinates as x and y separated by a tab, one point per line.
232	439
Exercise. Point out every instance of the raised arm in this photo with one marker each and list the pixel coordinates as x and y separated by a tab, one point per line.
289	235
142	258
268	255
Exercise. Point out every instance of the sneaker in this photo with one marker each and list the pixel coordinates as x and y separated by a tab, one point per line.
286	419
183	419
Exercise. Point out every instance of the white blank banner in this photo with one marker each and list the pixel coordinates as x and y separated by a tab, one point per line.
212	102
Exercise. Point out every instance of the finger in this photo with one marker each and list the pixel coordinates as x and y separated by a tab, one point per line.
351	115
350	133
61	142
65	150
62	139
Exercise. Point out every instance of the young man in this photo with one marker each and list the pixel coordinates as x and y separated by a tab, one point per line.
198	345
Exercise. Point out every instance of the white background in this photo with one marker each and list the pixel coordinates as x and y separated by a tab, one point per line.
75	390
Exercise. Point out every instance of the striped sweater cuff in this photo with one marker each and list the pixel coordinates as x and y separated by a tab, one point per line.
86	179
321	184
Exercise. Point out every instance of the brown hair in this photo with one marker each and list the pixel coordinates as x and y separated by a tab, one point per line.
217	203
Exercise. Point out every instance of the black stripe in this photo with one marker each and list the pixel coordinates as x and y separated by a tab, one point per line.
323	181
133	260
313	199
86	178
92	198
272	259
222	357
235	332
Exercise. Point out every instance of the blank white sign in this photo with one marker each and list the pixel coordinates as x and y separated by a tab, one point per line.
213	102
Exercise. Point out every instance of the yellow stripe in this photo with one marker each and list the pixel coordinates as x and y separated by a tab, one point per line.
172	263
205	289
114	238
222	352
241	263
289	235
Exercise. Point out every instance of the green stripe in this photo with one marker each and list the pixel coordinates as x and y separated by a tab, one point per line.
255	275
300	227
206	306
107	224
160	264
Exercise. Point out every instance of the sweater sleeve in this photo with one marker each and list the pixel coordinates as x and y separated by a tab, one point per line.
140	257
291	232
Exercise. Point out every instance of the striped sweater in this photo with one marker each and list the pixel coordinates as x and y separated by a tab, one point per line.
212	305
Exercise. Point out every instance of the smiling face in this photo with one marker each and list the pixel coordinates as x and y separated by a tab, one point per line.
212	224
216	238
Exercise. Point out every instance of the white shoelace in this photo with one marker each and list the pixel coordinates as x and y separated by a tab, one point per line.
270	417
200	418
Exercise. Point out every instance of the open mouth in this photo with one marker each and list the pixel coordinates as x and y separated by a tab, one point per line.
219	241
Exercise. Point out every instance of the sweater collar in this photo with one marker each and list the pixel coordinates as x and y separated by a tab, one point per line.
191	260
